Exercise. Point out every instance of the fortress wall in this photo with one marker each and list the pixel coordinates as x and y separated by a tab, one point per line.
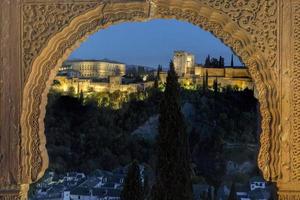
237	72
85	85
216	72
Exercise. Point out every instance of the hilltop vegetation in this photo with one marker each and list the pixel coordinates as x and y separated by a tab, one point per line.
83	134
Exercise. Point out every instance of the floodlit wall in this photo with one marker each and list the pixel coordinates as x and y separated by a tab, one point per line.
64	84
235	77
97	69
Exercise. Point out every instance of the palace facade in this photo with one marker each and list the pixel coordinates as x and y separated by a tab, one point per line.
191	73
95	68
111	84
95	76
107	76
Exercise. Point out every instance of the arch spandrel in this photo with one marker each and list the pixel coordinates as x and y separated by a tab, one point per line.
245	33
43	20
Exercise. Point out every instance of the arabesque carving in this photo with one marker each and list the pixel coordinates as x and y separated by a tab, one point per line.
296	96
10	197
258	18
51	29
38	35
41	21
233	24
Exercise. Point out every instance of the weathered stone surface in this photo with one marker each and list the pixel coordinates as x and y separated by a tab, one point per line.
10	97
37	35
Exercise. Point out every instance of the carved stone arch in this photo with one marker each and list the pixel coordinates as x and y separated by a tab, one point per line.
247	26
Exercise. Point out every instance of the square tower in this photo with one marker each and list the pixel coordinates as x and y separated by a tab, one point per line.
184	62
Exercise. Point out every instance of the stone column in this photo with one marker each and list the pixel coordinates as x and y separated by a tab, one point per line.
10	98
289	61
14	176
14	193
10	194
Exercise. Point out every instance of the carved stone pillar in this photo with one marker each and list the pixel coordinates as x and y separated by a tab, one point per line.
14	192
35	36
289	60
10	194
10	100
289	191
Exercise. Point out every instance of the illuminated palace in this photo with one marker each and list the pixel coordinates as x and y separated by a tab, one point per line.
95	76
191	74
95	68
109	76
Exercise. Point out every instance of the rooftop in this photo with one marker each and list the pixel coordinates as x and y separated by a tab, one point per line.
93	60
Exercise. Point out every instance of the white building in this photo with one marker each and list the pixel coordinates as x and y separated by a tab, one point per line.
257	183
184	62
95	68
81	193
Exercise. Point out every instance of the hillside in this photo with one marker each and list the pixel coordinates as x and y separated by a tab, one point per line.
83	136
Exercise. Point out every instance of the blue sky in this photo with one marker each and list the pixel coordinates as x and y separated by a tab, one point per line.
151	43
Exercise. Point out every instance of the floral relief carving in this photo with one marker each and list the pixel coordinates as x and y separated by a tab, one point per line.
256	18
287	196
40	21
296	95
10	197
11	194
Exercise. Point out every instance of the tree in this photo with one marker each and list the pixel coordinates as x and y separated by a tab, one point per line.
156	81
207	61
71	91
133	189
210	193
173	172
232	195
221	62
194	138
205	82
81	97
214	62
216	88
146	186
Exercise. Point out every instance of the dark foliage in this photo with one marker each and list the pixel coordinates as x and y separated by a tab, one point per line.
173	173
86	137
232	194
133	189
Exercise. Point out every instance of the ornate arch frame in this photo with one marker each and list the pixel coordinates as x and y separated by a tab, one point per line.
51	31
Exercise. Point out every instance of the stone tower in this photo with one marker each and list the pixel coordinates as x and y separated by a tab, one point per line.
183	62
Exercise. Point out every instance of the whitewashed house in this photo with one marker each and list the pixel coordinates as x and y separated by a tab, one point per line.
257	183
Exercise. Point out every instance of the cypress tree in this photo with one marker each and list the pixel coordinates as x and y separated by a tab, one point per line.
216	88
133	189
146	186
232	195
173	172
207	61
206	81
203	84
81	97
156	81
221	62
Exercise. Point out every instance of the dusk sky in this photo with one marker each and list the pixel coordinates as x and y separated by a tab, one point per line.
151	43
